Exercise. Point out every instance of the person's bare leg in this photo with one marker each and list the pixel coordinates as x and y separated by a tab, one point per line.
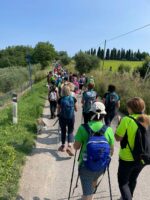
89	197
94	184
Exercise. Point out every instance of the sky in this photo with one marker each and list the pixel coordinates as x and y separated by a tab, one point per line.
71	25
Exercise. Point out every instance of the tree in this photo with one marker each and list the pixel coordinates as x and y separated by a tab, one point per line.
63	57
85	62
102	54
118	55
44	52
113	54
107	54
123	54
138	55
99	53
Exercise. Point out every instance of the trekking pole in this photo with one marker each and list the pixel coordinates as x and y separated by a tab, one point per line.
76	185
98	183
72	175
109	184
56	122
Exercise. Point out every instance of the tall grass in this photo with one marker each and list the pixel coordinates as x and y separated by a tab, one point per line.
16	141
127	86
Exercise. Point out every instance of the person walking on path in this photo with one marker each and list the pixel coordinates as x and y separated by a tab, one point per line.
112	103
88	98
67	104
53	97
129	169
90	172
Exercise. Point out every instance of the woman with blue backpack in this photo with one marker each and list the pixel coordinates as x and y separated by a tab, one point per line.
67	105
96	142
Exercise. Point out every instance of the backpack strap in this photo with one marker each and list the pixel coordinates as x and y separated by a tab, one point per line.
91	132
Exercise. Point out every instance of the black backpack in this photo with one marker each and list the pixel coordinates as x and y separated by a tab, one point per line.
141	150
111	100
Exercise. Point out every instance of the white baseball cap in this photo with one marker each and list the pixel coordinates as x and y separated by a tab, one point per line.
98	107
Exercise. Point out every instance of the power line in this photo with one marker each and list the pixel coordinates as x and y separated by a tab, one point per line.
137	29
124	34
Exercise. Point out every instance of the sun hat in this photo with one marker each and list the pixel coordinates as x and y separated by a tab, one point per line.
98	107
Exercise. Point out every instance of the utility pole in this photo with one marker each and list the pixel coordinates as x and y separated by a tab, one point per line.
104	55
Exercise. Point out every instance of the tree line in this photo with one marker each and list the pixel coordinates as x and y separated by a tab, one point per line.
43	53
117	54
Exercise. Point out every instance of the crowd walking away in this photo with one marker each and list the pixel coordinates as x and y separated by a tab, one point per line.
95	137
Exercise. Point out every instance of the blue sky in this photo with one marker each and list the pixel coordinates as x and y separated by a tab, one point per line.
72	25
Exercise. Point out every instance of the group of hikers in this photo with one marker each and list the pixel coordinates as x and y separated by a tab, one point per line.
95	137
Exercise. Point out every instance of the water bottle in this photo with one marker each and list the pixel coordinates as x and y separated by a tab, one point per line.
84	156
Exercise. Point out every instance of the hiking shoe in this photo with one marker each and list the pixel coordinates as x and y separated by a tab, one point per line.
69	150
62	148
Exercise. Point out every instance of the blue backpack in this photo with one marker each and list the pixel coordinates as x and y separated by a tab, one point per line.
67	107
98	150
89	98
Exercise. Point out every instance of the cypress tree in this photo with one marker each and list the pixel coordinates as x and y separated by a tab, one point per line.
99	53
118	55
107	54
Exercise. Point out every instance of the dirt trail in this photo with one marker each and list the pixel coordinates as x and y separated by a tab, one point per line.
47	172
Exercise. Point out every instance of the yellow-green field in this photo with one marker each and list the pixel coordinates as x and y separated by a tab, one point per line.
107	63
115	64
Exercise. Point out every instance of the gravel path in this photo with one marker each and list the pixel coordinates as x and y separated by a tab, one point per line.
47	172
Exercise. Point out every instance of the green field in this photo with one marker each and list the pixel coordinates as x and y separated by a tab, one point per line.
115	64
107	63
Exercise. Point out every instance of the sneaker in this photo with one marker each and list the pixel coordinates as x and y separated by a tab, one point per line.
62	148
69	150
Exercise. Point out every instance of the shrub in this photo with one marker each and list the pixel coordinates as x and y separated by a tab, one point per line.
85	62
39	75
143	69
123	68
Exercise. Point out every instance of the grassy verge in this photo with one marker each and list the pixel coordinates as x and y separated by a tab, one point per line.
16	141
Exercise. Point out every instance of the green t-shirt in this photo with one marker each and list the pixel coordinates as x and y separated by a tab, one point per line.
127	124
82	135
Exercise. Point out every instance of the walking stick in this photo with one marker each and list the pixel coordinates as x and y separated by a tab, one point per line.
56	122
110	191
75	185
72	175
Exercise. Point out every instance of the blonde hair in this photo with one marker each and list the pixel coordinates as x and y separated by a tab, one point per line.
65	91
137	105
144	120
71	86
